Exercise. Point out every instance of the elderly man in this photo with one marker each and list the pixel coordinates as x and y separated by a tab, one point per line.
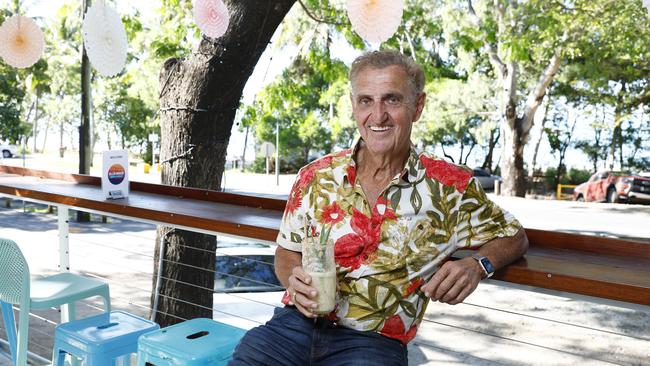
394	215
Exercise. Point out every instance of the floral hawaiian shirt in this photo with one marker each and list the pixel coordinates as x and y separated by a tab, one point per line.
384	254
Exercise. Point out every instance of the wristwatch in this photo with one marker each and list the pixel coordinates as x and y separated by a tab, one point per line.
485	264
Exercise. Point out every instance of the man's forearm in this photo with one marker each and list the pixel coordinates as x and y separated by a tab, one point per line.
503	251
285	261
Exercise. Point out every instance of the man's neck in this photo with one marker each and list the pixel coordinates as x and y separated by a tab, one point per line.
380	167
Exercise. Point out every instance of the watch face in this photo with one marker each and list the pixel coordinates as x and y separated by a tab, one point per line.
487	265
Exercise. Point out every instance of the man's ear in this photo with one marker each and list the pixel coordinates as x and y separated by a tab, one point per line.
419	106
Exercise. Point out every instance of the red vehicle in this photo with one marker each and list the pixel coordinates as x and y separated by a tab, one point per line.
608	186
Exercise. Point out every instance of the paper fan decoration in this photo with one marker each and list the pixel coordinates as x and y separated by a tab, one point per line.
21	41
105	39
375	20
212	17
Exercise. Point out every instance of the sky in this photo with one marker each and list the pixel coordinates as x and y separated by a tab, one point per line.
271	64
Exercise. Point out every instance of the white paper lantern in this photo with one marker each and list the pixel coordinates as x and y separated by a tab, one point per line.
646	3
21	41
211	16
105	39
375	20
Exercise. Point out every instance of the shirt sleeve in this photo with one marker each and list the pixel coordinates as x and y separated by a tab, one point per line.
481	220
290	234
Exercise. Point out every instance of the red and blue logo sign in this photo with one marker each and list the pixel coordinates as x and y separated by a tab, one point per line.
116	174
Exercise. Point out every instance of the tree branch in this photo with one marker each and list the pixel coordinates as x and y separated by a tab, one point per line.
493	53
326	21
537	95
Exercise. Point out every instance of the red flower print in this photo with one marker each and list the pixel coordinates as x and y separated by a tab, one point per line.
293	202
352	174
352	249
332	214
415	284
342	153
394	328
446	173
382	211
308	173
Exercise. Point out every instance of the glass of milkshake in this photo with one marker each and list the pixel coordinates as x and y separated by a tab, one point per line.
318	262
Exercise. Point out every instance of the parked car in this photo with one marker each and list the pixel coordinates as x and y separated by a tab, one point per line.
8	151
485	178
610	186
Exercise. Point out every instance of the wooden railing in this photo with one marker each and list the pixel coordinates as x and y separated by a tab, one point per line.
602	267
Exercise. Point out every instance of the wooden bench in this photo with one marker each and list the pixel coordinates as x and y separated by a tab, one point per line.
602	267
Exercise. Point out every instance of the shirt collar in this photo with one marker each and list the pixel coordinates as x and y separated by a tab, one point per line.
409	172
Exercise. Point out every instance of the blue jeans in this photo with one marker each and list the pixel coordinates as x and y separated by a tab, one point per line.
290	338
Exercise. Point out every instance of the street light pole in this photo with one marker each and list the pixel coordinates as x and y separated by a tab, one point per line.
277	153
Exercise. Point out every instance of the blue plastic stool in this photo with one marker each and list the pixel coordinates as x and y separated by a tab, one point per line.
193	342
100	339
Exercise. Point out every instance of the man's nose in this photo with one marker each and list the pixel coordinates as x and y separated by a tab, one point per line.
378	112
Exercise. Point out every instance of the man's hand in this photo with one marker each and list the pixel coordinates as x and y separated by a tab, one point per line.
302	294
454	281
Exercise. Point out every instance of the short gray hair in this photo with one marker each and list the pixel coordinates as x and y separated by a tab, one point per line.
385	58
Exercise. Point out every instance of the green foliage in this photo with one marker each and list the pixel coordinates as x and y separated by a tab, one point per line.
298	102
175	32
456	114
11	97
573	176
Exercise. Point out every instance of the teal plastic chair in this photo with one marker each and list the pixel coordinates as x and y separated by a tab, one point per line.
17	289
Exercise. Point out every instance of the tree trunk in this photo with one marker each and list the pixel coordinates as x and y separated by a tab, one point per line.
516	129
198	100
47	131
85	128
61	148
243	153
617	138
512	171
35	125
487	163
539	141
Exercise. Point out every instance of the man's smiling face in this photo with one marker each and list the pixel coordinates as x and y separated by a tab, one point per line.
385	106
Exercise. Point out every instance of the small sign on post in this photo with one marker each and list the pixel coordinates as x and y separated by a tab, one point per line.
267	149
115	174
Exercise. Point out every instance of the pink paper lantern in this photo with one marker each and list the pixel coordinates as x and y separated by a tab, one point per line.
21	41
212	17
375	20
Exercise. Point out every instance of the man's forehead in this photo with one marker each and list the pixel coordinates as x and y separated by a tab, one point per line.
391	79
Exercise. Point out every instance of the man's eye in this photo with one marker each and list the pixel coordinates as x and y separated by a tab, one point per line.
365	101
394	101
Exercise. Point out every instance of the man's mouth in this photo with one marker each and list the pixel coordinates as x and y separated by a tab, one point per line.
380	128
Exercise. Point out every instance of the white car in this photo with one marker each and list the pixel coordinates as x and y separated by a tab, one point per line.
486	179
8	151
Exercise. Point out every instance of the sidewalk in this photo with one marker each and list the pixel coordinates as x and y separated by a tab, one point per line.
500	324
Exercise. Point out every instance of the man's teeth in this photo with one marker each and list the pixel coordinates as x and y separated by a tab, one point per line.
378	129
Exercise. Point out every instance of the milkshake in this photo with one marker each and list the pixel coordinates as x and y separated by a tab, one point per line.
318	262
325	284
